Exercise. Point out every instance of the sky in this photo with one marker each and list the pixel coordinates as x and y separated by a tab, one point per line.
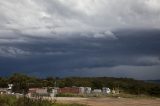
112	38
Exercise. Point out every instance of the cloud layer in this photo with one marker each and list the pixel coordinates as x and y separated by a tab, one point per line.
69	37
50	18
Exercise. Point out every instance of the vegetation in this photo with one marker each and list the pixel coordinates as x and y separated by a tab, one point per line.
125	85
23	101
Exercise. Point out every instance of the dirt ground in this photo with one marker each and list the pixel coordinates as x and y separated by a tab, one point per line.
112	101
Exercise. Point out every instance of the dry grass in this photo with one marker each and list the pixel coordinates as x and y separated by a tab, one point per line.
115	101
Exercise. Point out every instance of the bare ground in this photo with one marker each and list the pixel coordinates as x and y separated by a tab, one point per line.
112	101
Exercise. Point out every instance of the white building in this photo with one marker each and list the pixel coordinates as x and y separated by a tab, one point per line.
6	90
10	86
85	90
3	90
97	91
54	92
88	90
41	91
106	90
82	90
37	92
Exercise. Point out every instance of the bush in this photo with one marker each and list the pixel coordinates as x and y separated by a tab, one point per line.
24	101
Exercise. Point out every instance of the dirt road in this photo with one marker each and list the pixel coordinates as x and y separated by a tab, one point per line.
111	101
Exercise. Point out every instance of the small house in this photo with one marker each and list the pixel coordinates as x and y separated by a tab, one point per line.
73	90
106	90
85	90
97	91
37	92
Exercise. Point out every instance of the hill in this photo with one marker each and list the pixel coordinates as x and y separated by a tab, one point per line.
154	81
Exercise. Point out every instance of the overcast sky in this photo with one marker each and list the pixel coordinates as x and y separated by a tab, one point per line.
115	38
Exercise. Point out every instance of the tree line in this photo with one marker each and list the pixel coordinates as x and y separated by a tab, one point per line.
23	82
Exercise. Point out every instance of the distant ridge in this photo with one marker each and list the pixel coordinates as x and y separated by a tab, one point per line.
153	81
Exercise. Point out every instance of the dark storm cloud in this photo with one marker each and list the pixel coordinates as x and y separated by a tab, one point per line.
69	37
66	56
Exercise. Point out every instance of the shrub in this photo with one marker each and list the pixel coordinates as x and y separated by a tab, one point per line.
6	100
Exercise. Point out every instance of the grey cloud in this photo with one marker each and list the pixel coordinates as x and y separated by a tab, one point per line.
6	51
62	37
52	18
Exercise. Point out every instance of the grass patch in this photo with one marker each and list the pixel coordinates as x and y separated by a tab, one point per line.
7	100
